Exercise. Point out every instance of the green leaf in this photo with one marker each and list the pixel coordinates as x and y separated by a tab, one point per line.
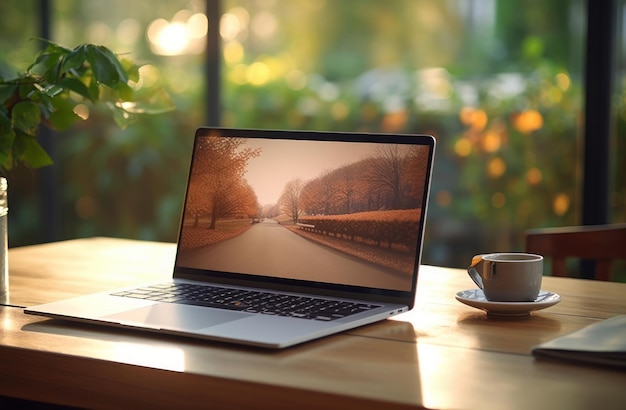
28	150
94	90
51	46
46	105
27	88
47	66
6	91
76	86
26	116
75	59
131	69
7	135
121	72
105	66
126	93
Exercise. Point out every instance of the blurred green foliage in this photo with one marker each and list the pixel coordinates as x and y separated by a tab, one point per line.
498	83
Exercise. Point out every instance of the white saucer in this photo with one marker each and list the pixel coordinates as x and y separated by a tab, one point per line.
476	298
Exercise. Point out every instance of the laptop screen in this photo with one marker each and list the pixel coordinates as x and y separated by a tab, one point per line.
338	209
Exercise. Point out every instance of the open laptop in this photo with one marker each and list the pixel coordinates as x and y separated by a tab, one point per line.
285	237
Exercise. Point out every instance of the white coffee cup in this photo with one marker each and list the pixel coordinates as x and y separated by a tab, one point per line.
508	277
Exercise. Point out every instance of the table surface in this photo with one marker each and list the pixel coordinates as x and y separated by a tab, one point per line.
441	354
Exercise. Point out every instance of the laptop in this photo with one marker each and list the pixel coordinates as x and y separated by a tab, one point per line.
285	237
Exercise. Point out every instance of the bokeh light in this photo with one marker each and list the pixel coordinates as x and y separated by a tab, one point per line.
258	73
496	167
561	204
394	121
534	176
475	118
463	147
233	52
264	24
492	141
81	111
563	81
183	35
528	121
229	27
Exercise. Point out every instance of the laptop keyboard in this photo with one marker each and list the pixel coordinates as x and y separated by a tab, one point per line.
249	301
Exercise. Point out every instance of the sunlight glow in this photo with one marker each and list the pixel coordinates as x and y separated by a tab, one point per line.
198	25
258	74
234	24
229	26
233	52
82	111
168	358
185	34
264	24
166	38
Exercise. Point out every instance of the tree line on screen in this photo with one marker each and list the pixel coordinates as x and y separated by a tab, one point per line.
391	179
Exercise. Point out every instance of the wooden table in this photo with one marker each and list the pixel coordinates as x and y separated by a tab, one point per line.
442	354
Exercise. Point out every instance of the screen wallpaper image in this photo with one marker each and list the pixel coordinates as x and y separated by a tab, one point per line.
323	211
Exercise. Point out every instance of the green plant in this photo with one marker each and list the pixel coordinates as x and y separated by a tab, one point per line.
56	89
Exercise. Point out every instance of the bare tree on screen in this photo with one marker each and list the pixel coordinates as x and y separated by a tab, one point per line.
386	173
290	199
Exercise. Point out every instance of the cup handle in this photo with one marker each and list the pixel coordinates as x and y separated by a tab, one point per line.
473	272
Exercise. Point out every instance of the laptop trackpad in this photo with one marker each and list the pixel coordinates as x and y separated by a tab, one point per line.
176	316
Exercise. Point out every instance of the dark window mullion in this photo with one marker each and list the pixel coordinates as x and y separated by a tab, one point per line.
213	80
599	74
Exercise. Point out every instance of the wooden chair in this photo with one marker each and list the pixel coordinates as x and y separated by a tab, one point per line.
599	243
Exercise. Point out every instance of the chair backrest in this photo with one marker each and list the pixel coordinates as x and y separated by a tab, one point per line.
600	243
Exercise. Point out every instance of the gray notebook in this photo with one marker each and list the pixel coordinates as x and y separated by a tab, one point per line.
602	343
285	237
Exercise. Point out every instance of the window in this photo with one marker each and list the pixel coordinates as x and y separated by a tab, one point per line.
500	85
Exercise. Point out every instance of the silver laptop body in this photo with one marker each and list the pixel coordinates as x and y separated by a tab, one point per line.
294	235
